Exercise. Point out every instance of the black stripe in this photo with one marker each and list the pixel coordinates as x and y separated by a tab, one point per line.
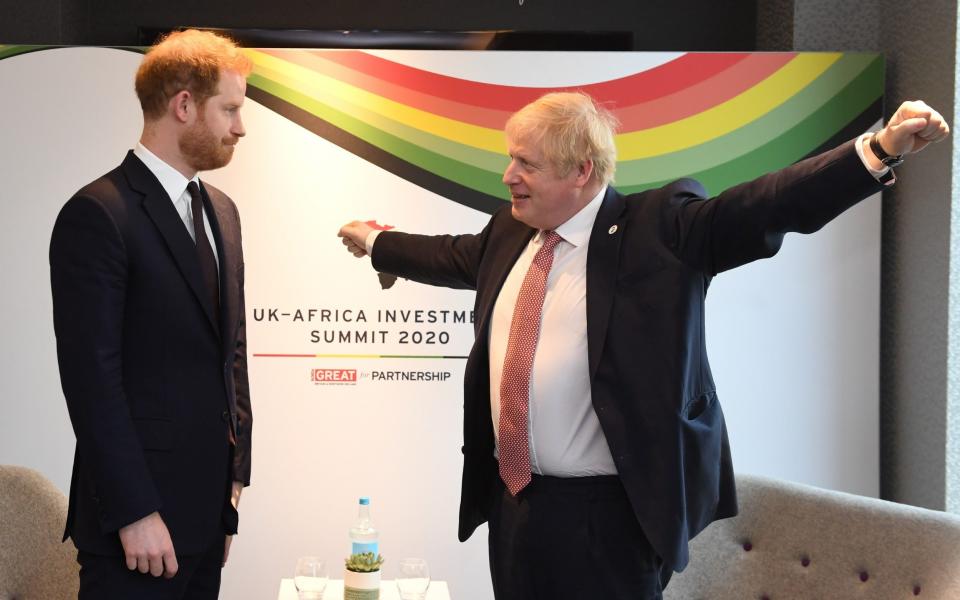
854	128
430	181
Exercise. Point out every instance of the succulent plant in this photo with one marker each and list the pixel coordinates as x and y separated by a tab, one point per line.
364	562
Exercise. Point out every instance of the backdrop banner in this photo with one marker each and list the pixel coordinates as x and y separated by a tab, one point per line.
356	376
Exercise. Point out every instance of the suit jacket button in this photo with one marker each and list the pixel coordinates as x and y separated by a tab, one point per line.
225	416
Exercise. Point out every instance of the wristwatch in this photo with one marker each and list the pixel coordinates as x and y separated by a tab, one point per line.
881	154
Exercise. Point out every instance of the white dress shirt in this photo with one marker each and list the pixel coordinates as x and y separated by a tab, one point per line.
564	432
565	435
175	184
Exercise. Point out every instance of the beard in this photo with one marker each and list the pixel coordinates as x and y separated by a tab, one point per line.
202	149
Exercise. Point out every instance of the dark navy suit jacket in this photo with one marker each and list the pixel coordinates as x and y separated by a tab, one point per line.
155	385
647	281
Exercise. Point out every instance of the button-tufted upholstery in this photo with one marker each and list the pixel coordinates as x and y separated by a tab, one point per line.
795	542
34	564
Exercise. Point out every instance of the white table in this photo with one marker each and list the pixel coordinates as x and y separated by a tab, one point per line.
388	590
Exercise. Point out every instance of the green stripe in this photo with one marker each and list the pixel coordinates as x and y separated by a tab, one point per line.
482	159
796	127
794	144
6	51
849	70
453	170
134	49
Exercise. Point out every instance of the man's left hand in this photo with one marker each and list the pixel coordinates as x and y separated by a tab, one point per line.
911	128
235	492
226	549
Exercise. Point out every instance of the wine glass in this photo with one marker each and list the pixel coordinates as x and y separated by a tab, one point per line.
310	578
413	579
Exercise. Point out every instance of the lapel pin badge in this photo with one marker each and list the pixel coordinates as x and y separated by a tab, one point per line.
612	230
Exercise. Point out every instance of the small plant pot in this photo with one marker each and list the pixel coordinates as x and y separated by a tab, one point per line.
361	586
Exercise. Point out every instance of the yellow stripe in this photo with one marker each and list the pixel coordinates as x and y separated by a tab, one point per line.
730	115
344	97
685	133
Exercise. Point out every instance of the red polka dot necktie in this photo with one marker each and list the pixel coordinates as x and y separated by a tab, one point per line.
513	442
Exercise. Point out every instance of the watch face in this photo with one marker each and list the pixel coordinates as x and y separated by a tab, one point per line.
892	161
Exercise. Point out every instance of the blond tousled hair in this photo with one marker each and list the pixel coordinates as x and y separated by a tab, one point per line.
569	128
186	60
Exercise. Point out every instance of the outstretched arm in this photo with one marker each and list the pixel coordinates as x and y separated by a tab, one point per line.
748	221
442	260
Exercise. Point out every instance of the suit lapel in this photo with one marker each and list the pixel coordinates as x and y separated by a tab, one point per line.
227	253
603	262
160	209
508	252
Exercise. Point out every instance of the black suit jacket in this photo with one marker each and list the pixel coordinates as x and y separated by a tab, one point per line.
154	385
647	281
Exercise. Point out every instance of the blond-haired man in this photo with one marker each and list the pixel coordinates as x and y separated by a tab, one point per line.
594	444
146	270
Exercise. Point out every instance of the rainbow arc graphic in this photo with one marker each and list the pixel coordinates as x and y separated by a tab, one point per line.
722	118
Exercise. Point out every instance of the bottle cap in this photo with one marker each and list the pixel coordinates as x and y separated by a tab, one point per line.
364	500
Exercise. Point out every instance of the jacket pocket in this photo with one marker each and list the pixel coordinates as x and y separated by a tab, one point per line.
698	405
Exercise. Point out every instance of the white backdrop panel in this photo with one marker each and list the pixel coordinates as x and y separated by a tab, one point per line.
793	340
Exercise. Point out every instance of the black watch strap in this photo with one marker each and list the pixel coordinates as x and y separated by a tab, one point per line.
880	153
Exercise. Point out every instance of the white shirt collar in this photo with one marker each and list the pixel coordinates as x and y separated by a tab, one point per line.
576	230
172	180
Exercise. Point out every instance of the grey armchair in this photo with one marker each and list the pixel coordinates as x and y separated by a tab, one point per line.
34	564
795	542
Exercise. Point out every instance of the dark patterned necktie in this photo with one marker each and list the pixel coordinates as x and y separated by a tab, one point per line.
208	263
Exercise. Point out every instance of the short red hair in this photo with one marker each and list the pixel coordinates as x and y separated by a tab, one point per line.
186	60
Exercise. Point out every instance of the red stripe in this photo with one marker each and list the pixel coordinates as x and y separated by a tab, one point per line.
321	63
670	92
657	82
702	95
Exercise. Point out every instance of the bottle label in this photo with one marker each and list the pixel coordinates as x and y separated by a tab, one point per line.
361	547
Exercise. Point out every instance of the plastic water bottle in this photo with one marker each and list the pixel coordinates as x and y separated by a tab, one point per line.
363	537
